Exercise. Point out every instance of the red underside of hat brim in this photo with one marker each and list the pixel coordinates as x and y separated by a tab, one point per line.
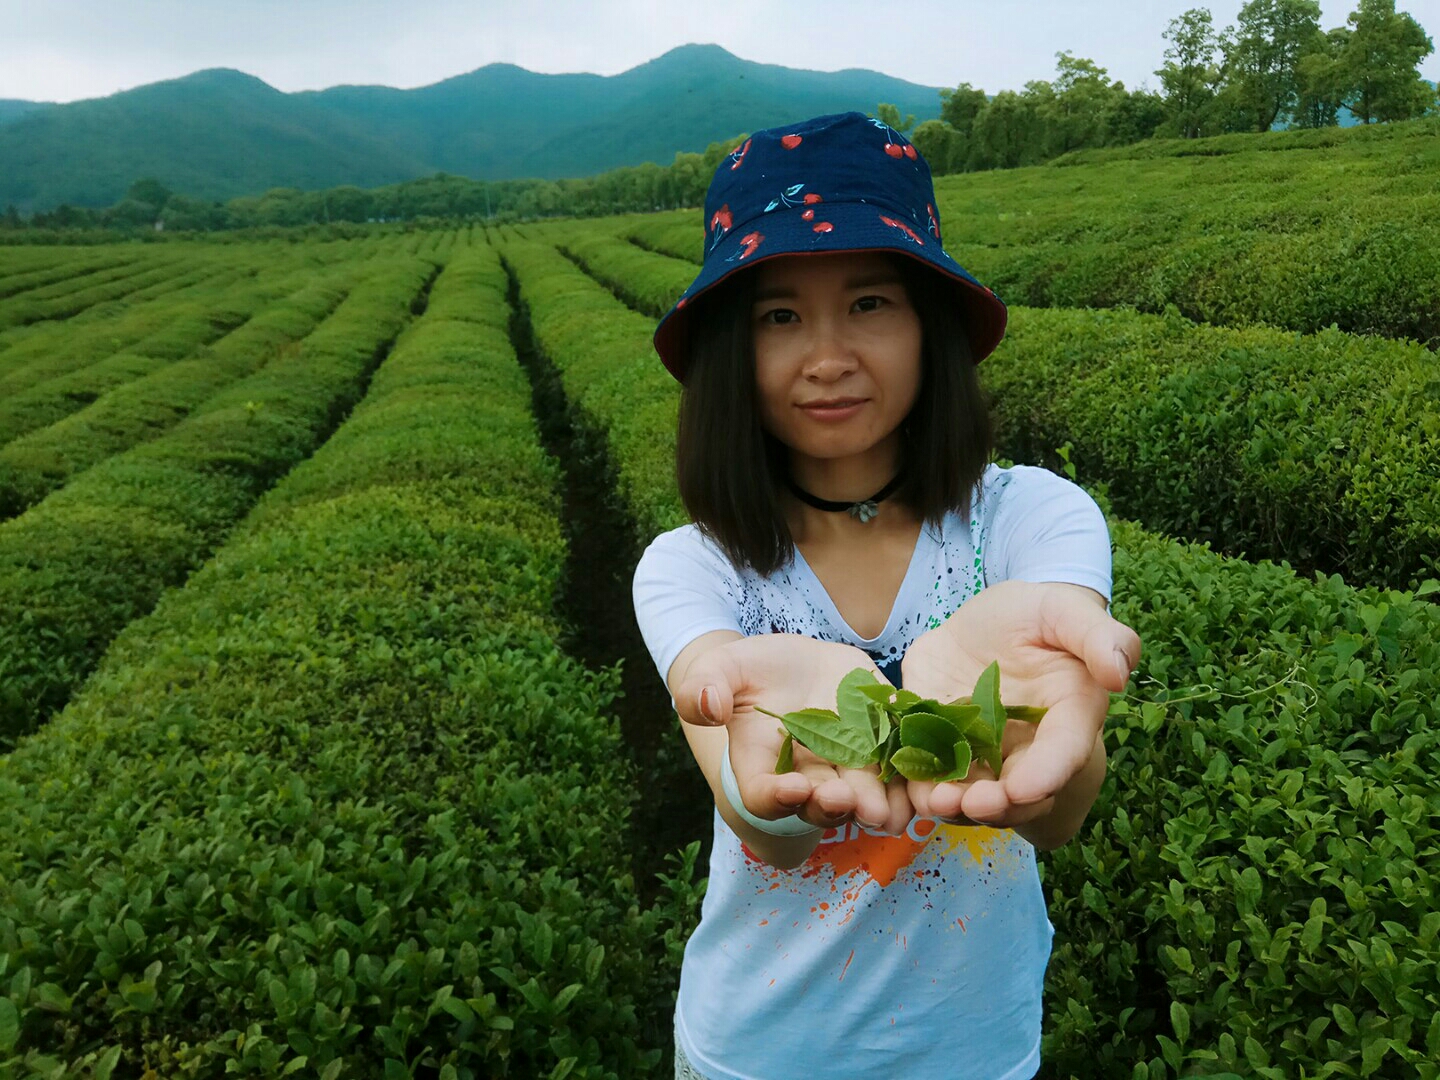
856	227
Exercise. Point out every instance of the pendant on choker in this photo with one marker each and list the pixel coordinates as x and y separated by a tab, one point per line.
862	511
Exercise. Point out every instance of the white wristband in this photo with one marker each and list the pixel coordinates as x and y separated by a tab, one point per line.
786	826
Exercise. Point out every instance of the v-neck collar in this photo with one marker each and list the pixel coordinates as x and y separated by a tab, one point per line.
925	543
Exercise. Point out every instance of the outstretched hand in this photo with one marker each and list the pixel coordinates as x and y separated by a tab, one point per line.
785	673
1059	649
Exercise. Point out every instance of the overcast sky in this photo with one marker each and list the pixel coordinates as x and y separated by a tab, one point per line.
64	50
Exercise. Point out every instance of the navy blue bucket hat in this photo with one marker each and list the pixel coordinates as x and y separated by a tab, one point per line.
841	182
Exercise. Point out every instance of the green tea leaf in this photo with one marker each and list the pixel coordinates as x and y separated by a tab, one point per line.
919	705
887	754
962	762
987	696
106	1065
880	724
882	693
852	705
9	1025
915	764
879	692
825	734
787	755
965	718
931	733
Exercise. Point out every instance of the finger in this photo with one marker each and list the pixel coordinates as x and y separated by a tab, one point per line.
985	802
939	801
872	803
765	792
1064	740
902	810
831	801
707	695
1070	621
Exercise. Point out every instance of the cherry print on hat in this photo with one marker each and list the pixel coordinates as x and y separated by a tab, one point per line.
750	241
903	228
786	195
720	223
875	192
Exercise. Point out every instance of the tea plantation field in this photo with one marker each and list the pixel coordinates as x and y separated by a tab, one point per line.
320	755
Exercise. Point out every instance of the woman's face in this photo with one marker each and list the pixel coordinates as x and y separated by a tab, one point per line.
837	352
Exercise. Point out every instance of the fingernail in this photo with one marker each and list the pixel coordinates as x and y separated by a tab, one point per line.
705	703
868	824
1122	664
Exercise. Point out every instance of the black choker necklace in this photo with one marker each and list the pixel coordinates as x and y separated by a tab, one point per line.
865	509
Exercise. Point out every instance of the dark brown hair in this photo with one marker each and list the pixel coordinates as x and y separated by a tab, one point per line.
731	471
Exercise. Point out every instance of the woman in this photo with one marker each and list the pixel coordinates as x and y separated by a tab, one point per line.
833	450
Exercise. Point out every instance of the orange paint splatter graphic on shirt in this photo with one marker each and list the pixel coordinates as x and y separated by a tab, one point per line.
858	858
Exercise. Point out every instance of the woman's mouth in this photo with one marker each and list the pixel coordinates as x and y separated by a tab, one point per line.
832	409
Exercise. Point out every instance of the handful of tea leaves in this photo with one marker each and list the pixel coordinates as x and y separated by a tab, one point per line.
919	738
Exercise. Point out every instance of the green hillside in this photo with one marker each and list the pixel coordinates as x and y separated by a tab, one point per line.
218	134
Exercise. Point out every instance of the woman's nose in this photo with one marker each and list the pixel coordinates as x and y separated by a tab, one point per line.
828	354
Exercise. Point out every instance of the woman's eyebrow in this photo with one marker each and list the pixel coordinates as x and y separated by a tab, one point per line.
780	292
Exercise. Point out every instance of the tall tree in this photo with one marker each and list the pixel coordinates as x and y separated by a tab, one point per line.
1190	74
1008	132
960	106
1261	54
890	114
1321	80
940	145
1138	115
1379	64
1076	115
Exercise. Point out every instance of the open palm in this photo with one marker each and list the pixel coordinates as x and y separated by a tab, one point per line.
785	673
1057	649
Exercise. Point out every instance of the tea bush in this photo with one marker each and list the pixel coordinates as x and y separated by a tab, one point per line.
340	806
95	555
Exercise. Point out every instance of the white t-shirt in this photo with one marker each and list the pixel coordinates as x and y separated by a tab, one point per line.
920	956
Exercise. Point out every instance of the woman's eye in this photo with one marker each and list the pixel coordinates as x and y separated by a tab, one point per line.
777	316
865	300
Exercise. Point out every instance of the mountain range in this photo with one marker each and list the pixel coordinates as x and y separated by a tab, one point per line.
220	133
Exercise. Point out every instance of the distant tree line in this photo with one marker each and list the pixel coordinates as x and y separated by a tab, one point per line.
1274	67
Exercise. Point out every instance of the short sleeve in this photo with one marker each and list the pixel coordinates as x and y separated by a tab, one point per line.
1043	527
682	588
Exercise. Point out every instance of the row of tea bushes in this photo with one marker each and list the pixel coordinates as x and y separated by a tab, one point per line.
144	324
126	317
1319	449
1322	449
1254	891
51	387
23	269
647	281
678	234
98	553
72	296
1284	233
33	466
340	807
49	349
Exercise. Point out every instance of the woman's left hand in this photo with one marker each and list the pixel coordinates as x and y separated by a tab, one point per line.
1058	649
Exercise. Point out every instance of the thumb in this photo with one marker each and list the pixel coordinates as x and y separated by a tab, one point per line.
706	695
1075	623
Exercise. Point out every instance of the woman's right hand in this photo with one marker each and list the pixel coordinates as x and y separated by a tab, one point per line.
784	673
